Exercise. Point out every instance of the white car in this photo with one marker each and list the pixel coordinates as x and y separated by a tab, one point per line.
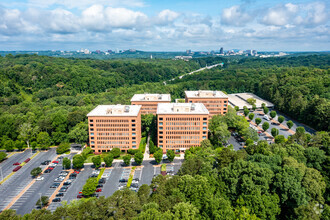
40	178
266	117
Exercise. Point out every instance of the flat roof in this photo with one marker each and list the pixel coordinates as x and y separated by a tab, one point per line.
240	100
151	97
115	110
182	108
205	94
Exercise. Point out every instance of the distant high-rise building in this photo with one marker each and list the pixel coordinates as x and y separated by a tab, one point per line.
98	51
188	51
221	50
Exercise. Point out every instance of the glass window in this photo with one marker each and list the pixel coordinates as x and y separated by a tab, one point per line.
204	119
133	138
204	123
92	138
133	125
160	136
160	123
92	133
91	120
133	146
92	142
160	128
160	119
204	128
133	120
133	129
134	142
204	137
161	146
133	134
92	129
160	132
91	125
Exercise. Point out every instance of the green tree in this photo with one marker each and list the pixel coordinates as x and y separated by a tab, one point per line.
254	107
97	161
158	155
3	156
9	145
251	116
273	114
63	148
274	132
246	112
185	211
19	145
66	163
266	110
43	202
170	155
265	126
236	108
251	101
257	121
280	119
263	105
27	132
289	124
279	139
108	159
138	158
152	147
315	157
90	186
127	159
300	135
115	152
78	161
34	145
79	133
43	140
35	171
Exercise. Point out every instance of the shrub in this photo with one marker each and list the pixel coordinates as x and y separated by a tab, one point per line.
115	152
66	163
127	159
132	151
36	171
138	158
97	161
108	159
62	148
3	156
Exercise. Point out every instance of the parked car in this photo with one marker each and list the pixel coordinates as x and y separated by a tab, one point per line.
266	117
102	181
17	168
40	178
123	180
27	160
99	186
98	190
79	196
80	192
55	161
66	183
95	195
76	171
48	170
60	157
54	185
135	185
63	189
17	163
57	200
59	194
72	176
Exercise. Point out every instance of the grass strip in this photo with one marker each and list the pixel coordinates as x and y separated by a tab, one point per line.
100	174
130	179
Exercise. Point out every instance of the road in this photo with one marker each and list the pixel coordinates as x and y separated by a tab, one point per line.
7	165
16	183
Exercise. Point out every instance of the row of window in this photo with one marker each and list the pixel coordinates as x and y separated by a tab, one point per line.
204	101
182	142
112	146
113	138
179	146
110	121
113	125
184	123
182	119
112	142
182	128
111	134
181	137
112	129
182	132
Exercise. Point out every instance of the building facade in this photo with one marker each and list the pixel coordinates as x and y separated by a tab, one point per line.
114	126
149	102
216	102
181	125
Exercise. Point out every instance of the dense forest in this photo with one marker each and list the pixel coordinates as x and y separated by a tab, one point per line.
44	102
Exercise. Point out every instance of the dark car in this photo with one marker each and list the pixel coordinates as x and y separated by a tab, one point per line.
72	177
60	157
57	200
79	196
48	170
63	189
59	194
101	181
123	180
99	186
134	185
98	190
136	179
95	195
66	183
54	185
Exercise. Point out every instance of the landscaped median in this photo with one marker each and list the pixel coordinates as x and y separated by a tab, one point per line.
130	178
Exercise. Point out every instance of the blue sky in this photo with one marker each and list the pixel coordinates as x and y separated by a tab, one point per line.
171	25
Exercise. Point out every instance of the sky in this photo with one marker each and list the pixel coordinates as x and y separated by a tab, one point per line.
165	25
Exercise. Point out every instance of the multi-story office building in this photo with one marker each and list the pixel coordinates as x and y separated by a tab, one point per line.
181	125
114	126
149	102
215	101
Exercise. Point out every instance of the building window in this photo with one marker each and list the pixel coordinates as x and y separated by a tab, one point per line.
225	105
92	129
160	128
133	120
204	128
204	123
133	125
133	138
225	102
160	119
133	129
204	119
224	109
161	142
204	137
91	125
190	101
92	138
133	146
92	134
91	120
134	142
160	123
160	132
160	137
161	146
133	134
204	132
92	142
92	146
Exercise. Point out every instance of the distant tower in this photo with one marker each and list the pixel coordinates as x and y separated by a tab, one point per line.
221	50
151	56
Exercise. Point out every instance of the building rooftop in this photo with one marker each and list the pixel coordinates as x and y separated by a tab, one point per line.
205	94
115	110
151	97
240	100
181	108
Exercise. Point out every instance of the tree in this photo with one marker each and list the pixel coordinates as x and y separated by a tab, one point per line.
78	161
280	119
97	161
79	133
289	124
158	155
62	148
280	139
143	193
254	107
274	132
66	163
27	132
249	141
152	147
3	156
315	157
170	155
250	133
43	140
138	158
9	145
43	202
127	159
263	105
90	186
236	108
251	116
19	145
257	121
246	111
266	110
251	101
35	171
300	135
272	114
108	159
34	145
265	126
221	134
115	152
185	211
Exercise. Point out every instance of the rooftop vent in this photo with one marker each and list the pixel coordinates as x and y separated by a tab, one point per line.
214	93
193	106
126	108
159	96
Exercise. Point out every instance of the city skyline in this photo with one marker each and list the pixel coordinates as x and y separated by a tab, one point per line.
164	26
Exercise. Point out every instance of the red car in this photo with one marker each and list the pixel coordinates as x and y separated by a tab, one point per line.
79	196
76	171
17	168
17	163
98	190
55	161
50	168
80	192
259	132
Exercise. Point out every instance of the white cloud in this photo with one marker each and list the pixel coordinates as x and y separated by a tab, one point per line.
12	22
235	16
316	13
166	17
93	18
280	15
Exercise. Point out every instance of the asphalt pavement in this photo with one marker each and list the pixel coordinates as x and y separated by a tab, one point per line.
7	167
16	183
